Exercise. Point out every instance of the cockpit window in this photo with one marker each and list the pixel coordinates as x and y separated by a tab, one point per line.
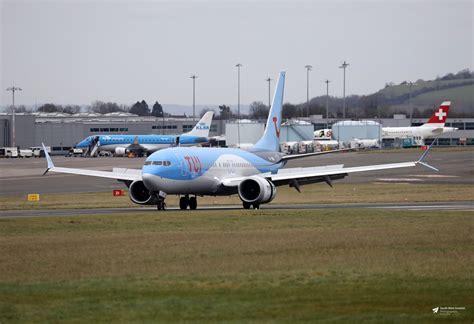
148	162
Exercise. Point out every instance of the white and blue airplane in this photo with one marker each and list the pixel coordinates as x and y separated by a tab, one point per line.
120	145
252	174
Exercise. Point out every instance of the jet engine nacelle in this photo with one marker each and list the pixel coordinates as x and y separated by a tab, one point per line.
257	190
140	195
120	151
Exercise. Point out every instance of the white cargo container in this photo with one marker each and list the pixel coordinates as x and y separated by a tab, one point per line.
289	147
25	153
11	152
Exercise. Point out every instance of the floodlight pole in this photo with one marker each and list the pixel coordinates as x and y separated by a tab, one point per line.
238	65
269	99
343	66
13	89
194	77
411	84
327	103
308	68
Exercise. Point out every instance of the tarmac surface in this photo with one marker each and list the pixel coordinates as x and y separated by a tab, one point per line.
23	176
448	206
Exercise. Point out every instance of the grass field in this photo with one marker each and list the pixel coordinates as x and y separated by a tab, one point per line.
360	265
317	193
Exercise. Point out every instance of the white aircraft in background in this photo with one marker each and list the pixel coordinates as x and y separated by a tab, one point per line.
254	175
433	128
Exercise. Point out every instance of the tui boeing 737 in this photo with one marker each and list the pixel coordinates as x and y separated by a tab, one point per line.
120	145
252	174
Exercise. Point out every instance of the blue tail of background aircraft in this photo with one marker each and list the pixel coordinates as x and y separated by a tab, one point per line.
270	140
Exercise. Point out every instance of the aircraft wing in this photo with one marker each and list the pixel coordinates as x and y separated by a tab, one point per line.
304	155
117	173
299	176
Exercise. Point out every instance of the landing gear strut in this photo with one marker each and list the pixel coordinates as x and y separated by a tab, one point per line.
161	205
186	201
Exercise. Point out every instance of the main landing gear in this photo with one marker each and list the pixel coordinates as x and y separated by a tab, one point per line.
186	201
247	205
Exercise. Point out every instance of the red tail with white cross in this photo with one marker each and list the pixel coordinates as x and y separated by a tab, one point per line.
440	115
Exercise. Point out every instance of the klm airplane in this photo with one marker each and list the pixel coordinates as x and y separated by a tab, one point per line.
252	174
120	145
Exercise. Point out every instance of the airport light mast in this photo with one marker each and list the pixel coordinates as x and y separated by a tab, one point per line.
308	68
411	84
13	89
327	102
343	66
238	65
194	77
269	99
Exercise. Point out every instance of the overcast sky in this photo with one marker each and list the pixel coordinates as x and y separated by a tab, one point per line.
80	51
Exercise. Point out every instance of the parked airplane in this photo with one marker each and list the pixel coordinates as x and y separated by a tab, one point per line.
123	144
253	175
434	127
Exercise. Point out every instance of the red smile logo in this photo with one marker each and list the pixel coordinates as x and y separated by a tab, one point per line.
277	131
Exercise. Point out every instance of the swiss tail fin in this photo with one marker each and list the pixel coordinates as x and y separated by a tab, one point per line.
203	126
438	119
270	140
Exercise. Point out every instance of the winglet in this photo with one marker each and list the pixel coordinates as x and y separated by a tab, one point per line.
48	158
421	160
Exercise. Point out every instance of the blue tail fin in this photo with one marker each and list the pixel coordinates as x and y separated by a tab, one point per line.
270	140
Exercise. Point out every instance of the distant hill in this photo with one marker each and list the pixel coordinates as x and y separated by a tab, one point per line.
426	94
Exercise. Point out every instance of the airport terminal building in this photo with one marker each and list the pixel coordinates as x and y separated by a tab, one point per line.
62	131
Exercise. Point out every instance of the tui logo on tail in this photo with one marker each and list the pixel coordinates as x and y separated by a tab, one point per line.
277	130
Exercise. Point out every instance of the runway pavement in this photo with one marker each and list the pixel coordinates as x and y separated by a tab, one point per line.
448	206
23	176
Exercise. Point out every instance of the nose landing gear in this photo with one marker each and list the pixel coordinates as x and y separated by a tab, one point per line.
161	205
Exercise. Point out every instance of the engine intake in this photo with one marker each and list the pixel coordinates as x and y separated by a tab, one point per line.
140	195
256	190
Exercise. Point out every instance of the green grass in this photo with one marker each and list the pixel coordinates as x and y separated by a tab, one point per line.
359	265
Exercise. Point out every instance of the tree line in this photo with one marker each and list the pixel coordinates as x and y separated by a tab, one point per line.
376	105
139	108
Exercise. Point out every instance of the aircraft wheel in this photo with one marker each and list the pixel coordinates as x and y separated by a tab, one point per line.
256	206
193	203
246	205
183	203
